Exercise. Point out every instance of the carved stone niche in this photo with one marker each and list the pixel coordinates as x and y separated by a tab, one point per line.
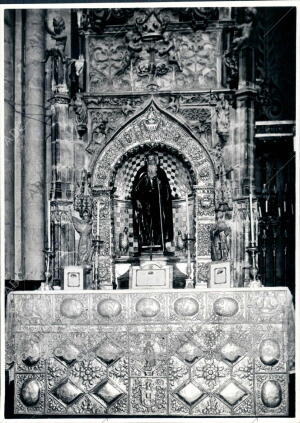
154	129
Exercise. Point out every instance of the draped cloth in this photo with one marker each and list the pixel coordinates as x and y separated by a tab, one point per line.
152	208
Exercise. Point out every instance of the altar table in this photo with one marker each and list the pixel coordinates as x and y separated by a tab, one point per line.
152	353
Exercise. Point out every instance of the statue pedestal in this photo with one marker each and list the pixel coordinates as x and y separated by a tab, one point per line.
151	274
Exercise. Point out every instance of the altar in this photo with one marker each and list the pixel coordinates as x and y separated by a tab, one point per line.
149	212
160	353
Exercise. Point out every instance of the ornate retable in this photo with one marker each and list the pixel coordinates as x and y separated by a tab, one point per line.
172	352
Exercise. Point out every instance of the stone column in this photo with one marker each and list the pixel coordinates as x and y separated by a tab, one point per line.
19	144
34	148
9	142
243	165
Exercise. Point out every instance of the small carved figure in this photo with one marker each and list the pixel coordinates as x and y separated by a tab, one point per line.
134	47
223	114
127	108
220	239
80	110
99	133
149	355
123	242
84	228
243	31
58	52
180	242
76	67
169	48
58	34
241	37
173	104
223	195
231	64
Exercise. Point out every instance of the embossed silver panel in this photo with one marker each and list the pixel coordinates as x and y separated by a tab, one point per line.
166	353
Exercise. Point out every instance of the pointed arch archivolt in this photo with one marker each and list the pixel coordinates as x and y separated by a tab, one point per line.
152	127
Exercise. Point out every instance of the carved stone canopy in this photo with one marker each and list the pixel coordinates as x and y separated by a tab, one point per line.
152	127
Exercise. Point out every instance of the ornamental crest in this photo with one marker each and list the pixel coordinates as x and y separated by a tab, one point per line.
152	120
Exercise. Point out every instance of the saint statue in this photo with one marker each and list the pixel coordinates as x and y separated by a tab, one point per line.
152	206
220	239
84	228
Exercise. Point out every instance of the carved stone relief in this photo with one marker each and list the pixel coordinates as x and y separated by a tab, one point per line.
134	62
203	239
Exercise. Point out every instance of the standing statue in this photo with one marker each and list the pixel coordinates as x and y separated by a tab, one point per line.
84	228
80	109
220	239
223	114
58	51
123	241
244	30
152	206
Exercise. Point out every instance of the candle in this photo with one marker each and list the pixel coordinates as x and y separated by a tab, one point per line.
259	211
79	17
49	224
251	220
187	215
256	228
279	211
284	206
266	205
98	219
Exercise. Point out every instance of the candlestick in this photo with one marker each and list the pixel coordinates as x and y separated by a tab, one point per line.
187	215
251	220
98	219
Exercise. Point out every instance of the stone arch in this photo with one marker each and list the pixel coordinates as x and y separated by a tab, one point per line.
153	126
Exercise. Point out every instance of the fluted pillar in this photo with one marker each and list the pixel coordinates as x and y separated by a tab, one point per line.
34	148
9	143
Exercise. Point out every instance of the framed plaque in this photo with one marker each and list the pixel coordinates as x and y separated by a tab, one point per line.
151	275
219	274
73	278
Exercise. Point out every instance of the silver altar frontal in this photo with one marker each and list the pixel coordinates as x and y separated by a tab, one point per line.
153	353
